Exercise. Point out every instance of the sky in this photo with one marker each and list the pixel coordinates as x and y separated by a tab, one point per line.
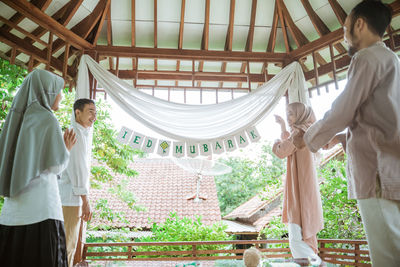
268	128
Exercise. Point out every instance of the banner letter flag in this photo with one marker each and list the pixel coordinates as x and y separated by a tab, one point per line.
192	150
241	139
253	134
230	144
178	149
205	149
218	146
124	135
137	140
164	147
149	144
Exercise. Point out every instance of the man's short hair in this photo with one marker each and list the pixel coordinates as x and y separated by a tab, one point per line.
375	13
80	103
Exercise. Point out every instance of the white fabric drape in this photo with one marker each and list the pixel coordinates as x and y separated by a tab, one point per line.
195	122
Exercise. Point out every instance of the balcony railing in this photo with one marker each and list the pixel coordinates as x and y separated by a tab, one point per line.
337	251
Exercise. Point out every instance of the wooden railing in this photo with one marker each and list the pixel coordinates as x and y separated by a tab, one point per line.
346	252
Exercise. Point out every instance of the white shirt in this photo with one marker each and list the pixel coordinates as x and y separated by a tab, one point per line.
37	202
74	180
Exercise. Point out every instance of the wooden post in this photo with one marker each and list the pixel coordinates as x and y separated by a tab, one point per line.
13	55
30	64
79	247
65	63
49	51
334	66
356	254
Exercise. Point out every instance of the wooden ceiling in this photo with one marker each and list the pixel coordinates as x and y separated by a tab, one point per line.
205	44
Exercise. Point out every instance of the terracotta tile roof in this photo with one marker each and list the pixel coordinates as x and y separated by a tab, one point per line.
264	221
161	187
250	207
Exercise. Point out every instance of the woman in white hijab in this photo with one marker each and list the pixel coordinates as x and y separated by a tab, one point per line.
32	153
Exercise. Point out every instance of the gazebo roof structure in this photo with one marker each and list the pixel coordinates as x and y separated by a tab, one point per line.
200	45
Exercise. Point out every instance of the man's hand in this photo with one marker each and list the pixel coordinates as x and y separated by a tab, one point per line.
339	138
69	139
86	211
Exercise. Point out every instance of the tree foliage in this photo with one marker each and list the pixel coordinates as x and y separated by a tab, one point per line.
342	219
248	178
185	229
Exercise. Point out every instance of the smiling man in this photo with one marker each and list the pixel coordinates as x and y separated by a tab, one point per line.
369	108
74	182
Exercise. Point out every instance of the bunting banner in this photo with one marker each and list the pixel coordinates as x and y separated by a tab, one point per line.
179	149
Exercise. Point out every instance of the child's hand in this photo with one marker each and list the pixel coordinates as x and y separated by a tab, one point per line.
279	120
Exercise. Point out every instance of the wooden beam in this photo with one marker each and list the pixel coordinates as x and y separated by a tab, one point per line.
28	34
319	25
155	23
133	23
395	8
327	68
298	36
318	44
63	16
187	76
65	63
42	19
274	28
250	36
339	12
101	21
49	51
229	35
109	28
13	55
17	18
30	64
283	26
204	40
29	49
186	54
180	42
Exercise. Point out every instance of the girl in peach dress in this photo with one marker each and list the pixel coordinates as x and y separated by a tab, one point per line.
302	208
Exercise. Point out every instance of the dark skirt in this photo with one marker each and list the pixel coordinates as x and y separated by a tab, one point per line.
39	244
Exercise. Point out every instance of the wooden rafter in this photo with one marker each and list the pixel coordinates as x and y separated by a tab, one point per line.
29	49
229	35
339	12
250	36
298	36
109	37
320	43
274	28
133	23
85	26
187	76
319	25
29	35
63	16
42	19
180	42
283	26
205	38
101	21
49	53
155	23
18	17
187	54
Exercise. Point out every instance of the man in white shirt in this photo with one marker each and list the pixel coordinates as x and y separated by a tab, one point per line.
369	108
74	182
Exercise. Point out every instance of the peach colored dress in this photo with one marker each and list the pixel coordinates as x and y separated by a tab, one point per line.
302	200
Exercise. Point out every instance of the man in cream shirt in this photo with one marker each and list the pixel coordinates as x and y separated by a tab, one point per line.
74	182
369	108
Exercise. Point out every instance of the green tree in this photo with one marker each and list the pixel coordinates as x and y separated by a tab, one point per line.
185	229
249	177
342	219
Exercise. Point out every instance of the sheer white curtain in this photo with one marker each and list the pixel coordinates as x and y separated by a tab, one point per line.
196	122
